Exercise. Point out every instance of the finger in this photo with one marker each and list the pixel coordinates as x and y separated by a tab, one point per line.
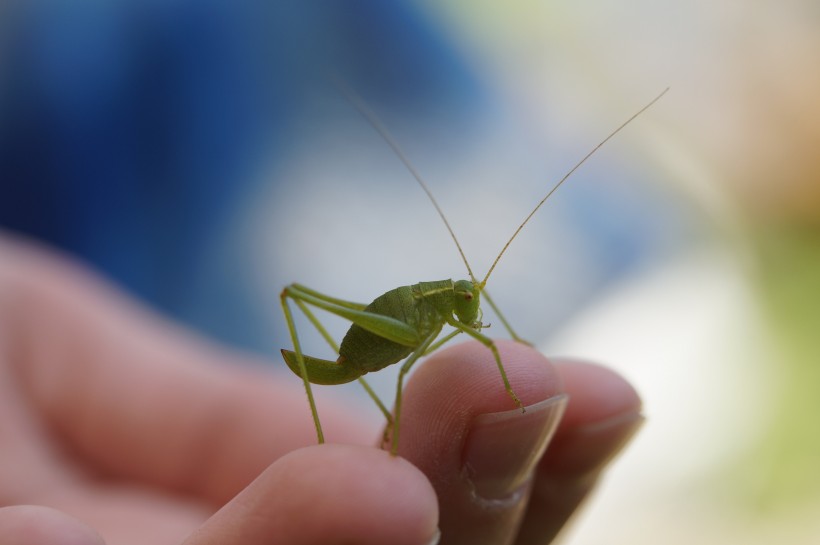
326	495
478	449
602	415
35	525
138	398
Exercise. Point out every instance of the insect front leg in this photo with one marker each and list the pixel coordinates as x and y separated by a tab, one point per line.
488	342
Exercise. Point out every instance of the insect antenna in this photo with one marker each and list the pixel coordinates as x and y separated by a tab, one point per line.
562	180
374	121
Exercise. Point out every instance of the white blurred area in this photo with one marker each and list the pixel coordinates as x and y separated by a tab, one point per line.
689	336
730	152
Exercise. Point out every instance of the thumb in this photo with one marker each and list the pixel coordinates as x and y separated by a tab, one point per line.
328	494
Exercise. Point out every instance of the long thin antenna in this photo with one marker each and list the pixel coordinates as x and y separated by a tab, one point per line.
566	176
374	121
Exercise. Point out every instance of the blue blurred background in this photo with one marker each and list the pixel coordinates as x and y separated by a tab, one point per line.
139	135
133	133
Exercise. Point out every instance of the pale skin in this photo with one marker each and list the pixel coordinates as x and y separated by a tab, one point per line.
119	427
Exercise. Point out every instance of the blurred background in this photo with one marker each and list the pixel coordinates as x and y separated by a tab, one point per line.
194	153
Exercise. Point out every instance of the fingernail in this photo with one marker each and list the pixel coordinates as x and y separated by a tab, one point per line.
503	448
588	449
435	539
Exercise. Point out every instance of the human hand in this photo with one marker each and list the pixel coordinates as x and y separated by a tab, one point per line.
115	423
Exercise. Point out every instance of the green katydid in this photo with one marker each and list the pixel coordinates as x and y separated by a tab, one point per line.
404	323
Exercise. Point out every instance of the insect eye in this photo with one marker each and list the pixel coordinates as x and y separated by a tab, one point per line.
468	296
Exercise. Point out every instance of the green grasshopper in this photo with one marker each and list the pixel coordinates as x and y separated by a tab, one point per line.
404	323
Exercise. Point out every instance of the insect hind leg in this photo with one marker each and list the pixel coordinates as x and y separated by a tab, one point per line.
300	361
322	371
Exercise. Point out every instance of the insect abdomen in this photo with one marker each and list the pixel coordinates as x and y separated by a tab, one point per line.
370	352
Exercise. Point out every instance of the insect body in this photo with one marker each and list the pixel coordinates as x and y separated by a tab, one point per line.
404	323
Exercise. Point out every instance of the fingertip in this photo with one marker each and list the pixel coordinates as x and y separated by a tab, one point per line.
603	414
38	525
597	393
328	494
363	489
